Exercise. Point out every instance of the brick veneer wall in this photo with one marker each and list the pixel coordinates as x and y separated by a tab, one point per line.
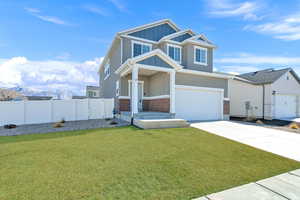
226	107
157	105
124	104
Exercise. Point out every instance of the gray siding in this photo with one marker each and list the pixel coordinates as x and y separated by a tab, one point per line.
182	37
188	59
155	85
154	33
159	84
155	61
202	81
108	86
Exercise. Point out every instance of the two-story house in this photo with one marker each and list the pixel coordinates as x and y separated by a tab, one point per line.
159	68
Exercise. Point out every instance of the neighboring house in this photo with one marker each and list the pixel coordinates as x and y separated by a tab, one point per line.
269	94
79	97
38	98
92	91
159	68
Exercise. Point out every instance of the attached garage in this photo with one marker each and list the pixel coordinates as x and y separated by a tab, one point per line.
285	106
199	103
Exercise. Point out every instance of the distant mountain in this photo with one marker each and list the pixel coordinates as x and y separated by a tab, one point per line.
7	95
57	94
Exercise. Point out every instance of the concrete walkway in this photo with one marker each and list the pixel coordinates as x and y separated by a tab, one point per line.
282	187
283	143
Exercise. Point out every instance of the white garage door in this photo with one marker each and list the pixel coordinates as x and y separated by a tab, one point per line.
195	103
285	106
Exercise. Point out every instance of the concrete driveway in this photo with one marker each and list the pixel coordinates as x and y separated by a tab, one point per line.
283	143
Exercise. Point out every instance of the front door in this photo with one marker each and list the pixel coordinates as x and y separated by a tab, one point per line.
140	94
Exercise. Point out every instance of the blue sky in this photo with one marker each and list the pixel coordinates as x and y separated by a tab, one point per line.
59	44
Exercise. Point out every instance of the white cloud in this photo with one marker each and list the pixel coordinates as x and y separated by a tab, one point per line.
119	5
52	19
287	28
226	8
97	10
49	75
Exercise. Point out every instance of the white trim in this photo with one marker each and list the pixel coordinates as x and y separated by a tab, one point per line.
124	97
121	46
197	62
172	92
226	99
139	39
209	74
139	28
187	87
157	97
154	68
180	50
148	98
140	43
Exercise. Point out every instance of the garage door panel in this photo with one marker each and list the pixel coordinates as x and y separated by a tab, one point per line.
285	106
192	104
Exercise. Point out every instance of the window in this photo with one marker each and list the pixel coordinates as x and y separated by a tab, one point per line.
200	56
139	48
106	70
174	52
91	94
117	88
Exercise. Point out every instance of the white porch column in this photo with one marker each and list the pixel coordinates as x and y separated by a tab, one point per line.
134	90
172	91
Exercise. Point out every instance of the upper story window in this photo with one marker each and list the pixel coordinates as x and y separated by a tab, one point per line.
200	55
107	70
174	52
139	48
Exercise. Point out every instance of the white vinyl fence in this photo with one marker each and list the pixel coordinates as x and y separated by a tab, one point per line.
35	112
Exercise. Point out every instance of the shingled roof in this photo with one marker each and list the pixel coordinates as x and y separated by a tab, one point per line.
266	76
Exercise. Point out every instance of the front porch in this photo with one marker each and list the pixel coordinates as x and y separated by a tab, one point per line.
147	91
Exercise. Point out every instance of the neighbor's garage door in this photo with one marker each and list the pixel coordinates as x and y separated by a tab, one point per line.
195	103
285	106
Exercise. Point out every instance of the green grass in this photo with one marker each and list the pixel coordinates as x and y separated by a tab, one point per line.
128	163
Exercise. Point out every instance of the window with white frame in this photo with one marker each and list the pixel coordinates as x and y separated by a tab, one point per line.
139	48
117	88
200	55
106	70
174	52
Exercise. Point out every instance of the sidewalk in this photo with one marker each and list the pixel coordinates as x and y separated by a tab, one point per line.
281	187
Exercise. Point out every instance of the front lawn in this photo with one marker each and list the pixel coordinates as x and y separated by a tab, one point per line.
128	163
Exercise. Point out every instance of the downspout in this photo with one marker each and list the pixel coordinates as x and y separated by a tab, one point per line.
263	103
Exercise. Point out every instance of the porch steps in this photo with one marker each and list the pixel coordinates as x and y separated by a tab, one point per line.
154	115
160	123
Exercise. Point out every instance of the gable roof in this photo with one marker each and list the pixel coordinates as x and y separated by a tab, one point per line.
156	23
155	53
267	76
174	35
